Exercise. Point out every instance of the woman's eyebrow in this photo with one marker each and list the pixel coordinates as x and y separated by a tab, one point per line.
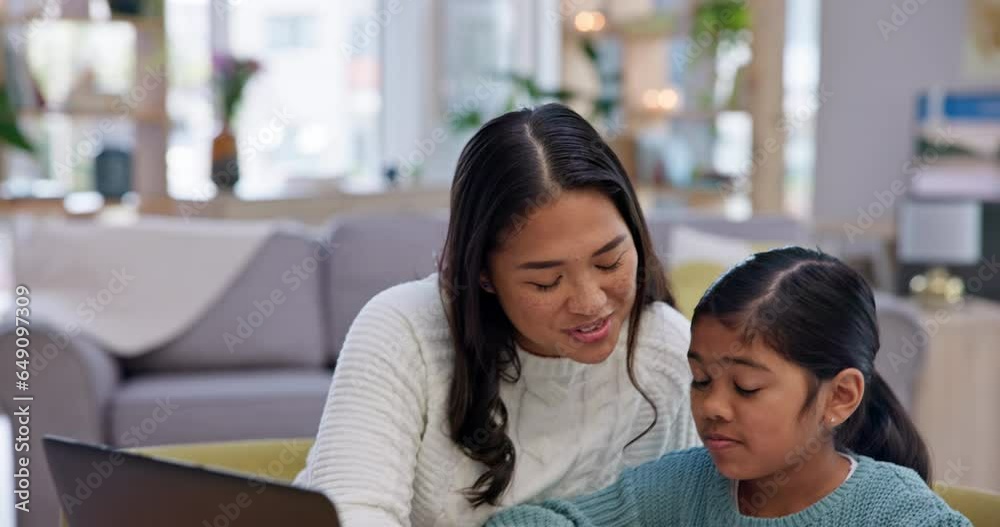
546	264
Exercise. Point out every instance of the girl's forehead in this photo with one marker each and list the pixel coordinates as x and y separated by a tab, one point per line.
713	342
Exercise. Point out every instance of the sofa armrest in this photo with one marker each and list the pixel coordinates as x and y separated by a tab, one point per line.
72	381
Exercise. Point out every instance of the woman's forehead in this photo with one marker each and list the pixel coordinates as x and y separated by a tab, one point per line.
572	222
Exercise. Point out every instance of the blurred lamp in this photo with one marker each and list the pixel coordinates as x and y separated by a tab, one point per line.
589	21
938	234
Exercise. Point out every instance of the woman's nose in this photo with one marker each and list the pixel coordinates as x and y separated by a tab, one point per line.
587	299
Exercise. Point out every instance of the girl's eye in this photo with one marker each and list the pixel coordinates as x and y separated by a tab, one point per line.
546	287
612	267
744	392
699	385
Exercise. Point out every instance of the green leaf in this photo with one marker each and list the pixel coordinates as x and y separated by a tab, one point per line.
589	49
10	133
466	120
561	94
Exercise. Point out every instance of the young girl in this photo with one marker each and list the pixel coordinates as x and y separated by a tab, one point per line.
799	429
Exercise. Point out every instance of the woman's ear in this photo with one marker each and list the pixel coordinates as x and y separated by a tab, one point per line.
486	283
846	390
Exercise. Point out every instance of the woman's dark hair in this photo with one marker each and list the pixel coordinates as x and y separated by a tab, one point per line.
513	166
819	313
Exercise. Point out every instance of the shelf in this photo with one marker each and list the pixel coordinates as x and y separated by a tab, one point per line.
652	27
145	116
683	115
139	21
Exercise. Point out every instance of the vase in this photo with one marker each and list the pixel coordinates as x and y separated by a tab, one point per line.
225	161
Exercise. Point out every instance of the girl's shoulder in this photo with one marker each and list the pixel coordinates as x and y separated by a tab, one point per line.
902	497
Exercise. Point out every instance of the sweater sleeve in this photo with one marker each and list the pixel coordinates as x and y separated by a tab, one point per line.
613	506
365	452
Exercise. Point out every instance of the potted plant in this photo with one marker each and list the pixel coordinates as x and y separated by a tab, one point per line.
715	23
231	77
10	133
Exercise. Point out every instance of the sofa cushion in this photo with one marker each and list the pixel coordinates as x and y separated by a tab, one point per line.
166	408
372	252
763	228
270	316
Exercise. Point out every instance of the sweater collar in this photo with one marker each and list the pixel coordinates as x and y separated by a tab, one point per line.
561	370
806	517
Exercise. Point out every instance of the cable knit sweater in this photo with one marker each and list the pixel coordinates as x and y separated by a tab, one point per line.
384	454
684	489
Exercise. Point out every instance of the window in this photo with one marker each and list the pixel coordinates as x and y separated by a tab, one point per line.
190	99
308	118
286	32
311	116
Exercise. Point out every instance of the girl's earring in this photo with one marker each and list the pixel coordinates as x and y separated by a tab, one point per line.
486	285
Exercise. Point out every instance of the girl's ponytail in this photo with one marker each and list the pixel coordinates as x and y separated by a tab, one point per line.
881	429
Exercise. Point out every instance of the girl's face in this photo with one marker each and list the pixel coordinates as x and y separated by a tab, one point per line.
747	403
566	277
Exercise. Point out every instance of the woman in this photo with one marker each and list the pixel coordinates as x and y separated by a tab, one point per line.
543	359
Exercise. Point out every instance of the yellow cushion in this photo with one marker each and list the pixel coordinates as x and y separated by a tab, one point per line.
689	280
282	459
278	459
982	508
698	258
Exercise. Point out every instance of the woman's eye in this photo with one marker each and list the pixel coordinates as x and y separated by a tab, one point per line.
612	267
546	287
743	391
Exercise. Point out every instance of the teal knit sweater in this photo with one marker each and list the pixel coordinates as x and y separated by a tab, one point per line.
684	489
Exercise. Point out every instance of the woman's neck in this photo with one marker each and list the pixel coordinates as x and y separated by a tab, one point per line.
796	487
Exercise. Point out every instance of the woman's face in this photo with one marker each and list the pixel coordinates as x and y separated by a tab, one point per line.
566	277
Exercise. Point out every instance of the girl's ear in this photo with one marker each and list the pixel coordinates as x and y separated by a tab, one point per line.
846	390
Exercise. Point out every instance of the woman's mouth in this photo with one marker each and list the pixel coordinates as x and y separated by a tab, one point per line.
591	332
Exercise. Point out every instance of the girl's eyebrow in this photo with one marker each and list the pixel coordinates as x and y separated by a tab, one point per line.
743	361
556	263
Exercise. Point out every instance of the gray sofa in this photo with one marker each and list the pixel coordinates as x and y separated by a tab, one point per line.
273	385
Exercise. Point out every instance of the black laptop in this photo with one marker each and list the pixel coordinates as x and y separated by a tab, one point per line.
101	487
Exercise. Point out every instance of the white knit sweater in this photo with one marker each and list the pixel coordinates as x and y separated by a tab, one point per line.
384	455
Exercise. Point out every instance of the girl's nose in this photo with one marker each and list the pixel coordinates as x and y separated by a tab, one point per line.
715	405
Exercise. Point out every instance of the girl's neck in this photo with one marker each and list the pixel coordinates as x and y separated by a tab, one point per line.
795	488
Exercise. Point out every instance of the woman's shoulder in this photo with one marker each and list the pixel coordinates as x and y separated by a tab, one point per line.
419	302
664	338
663	323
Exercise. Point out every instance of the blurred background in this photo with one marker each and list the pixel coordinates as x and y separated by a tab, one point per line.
168	165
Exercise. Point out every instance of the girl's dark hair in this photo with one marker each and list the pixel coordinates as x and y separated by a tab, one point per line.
515	165
819	313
